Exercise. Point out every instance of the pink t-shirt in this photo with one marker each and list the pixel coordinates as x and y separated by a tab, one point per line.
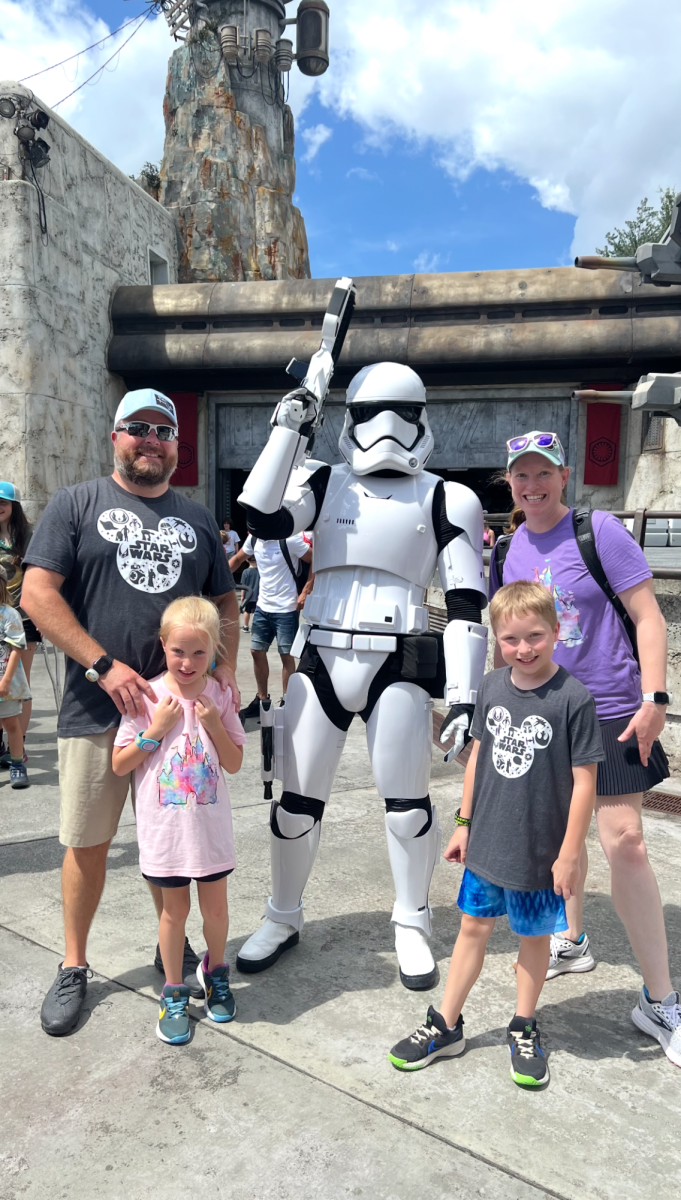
184	818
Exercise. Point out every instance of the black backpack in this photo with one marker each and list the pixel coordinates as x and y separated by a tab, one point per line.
582	525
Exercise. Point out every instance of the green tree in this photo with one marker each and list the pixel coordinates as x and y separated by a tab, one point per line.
649	225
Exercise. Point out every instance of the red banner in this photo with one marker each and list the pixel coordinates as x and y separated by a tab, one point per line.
186	473
602	461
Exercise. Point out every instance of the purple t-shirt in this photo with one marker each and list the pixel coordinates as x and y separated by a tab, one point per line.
593	645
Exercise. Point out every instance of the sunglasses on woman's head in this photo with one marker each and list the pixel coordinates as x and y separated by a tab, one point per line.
142	429
544	441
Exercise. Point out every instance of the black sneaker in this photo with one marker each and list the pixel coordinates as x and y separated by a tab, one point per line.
529	1067
430	1041
190	962
250	715
64	1001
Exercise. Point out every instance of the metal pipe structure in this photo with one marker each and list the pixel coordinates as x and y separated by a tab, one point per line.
592	397
594	262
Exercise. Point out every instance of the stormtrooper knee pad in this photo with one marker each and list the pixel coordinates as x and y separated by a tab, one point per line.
295	824
414	848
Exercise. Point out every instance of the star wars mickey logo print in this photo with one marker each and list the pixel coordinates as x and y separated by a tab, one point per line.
150	560
513	750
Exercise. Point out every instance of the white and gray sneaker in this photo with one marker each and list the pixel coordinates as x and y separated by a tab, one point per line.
661	1019
568	957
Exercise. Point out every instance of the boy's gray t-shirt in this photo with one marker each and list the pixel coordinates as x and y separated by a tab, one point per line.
124	558
529	743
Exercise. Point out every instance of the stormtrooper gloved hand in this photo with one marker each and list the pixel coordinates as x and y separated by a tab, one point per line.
457	724
296	411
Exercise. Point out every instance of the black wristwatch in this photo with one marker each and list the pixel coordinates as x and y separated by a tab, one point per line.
100	667
657	697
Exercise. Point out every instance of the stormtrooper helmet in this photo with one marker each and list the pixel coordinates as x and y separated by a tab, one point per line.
386	427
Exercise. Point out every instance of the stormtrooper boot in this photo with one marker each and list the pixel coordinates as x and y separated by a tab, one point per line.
295	824
414	848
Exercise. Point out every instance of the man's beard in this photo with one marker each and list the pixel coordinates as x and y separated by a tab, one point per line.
143	474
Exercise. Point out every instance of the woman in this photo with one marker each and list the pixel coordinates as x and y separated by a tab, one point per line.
488	536
631	704
15	535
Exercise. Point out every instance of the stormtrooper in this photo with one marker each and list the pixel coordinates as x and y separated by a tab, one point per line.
381	524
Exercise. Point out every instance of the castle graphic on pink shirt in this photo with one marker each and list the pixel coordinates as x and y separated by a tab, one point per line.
188	777
566	610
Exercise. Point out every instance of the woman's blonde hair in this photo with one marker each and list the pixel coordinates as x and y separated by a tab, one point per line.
520	600
198	613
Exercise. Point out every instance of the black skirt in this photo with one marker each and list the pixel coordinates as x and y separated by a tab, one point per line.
622	772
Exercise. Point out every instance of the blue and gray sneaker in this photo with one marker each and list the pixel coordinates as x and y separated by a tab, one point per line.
18	775
529	1067
661	1019
430	1041
173	1017
219	1004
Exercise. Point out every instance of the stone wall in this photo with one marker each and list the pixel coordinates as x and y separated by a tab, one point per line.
57	396
228	171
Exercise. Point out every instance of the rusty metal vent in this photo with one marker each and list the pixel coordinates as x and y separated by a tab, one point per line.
238	323
556	311
662	802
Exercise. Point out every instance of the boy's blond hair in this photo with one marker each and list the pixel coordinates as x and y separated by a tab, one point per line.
520	600
198	613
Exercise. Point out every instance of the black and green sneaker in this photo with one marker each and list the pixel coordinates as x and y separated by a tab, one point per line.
529	1067
173	1017
430	1041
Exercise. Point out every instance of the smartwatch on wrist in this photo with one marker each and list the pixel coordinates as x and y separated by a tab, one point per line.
99	667
657	697
146	743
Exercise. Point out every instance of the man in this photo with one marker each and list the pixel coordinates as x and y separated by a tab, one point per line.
231	542
277	610
105	560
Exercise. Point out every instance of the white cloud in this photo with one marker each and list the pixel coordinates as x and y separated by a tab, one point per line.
121	112
424	263
392	246
576	97
363	174
314	139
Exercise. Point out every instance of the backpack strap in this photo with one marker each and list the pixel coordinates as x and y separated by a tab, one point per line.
582	524
289	563
501	548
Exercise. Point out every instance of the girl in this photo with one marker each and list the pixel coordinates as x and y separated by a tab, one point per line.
13	687
15	535
184	820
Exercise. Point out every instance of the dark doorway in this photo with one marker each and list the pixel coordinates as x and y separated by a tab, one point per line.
230	486
494	497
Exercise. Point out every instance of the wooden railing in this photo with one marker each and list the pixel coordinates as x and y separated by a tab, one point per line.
640	517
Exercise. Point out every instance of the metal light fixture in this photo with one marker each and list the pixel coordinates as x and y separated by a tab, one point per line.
7	107
262	46
312	42
229	43
39	119
283	55
39	153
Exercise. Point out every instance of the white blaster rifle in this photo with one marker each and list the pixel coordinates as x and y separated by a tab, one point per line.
299	415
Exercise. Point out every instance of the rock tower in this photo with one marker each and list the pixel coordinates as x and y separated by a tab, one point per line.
228	171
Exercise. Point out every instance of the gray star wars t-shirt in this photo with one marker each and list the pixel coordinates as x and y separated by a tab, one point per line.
124	558
529	743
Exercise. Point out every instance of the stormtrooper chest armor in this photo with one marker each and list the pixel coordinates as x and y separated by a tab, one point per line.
374	553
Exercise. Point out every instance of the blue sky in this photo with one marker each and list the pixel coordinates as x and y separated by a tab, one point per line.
466	135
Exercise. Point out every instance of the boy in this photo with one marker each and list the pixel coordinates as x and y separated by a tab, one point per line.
528	795
250	582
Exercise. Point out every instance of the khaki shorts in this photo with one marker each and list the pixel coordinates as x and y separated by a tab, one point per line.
92	797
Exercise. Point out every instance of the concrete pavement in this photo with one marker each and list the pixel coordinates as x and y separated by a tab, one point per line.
297	1098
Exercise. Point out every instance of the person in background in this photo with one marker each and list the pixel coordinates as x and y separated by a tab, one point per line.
277	610
488	538
13	687
631	702
250	583
231	541
15	535
106	558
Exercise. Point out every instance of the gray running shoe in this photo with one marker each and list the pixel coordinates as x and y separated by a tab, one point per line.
64	1001
190	962
568	957
661	1019
173	1018
18	775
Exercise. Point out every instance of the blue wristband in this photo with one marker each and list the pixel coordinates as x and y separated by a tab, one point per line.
146	743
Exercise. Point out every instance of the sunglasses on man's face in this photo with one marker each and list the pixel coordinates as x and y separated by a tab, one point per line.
142	429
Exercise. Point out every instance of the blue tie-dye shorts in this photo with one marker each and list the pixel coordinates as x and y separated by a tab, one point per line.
530	914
